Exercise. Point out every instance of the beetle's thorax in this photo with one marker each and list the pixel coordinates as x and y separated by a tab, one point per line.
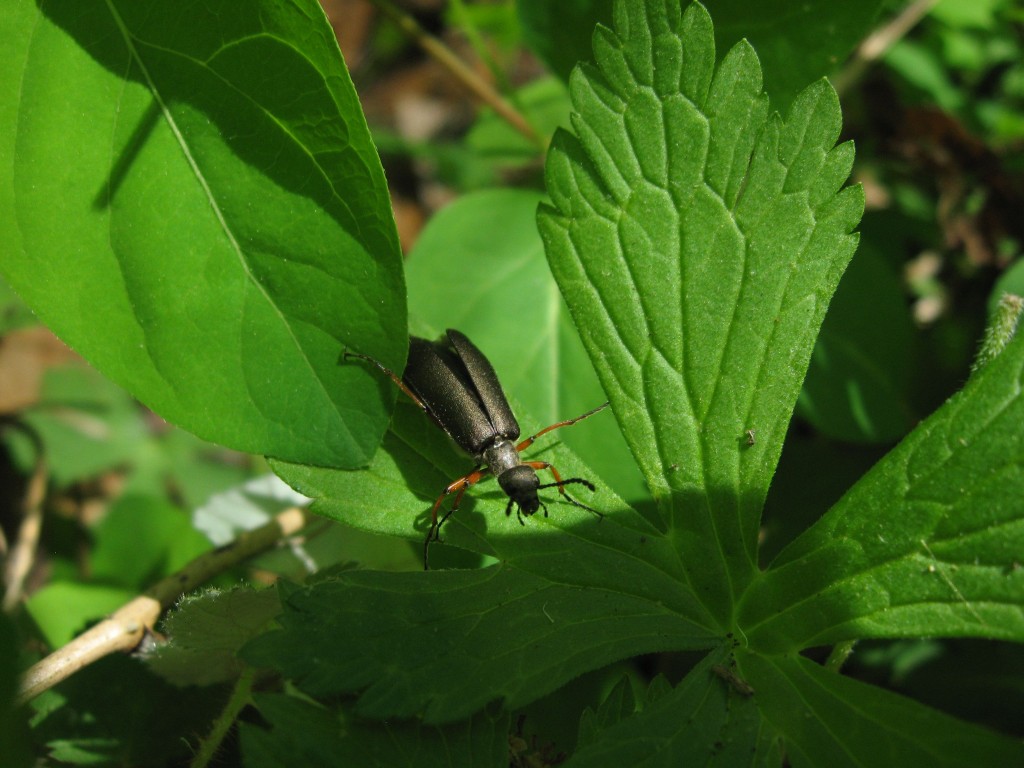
519	481
500	457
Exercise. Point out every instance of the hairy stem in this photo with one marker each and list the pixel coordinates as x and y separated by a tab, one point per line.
241	695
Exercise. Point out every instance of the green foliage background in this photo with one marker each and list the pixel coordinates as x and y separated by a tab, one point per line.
194	202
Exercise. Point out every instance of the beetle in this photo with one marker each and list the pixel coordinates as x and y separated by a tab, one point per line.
456	386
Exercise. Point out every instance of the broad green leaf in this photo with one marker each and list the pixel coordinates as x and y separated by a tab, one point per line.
702	721
858	384
443	645
697	241
928	543
192	201
512	310
827	719
301	732
205	632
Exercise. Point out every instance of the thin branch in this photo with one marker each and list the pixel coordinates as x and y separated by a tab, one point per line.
22	554
879	42
127	627
460	71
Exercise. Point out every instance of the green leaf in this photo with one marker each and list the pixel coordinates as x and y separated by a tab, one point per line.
142	539
858	384
513	312
928	543
192	201
697	241
304	733
205	632
828	719
444	644
62	609
88	424
702	721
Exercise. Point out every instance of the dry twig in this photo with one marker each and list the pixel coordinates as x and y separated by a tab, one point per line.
126	628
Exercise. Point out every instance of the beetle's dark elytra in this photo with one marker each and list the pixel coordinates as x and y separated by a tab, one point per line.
458	387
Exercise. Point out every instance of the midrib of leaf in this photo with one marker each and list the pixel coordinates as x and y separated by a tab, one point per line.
236	248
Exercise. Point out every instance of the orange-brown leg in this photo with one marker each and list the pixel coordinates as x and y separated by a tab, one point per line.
568	423
460	486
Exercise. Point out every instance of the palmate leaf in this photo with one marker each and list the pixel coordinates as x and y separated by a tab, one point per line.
929	542
747	709
191	199
697	241
827	719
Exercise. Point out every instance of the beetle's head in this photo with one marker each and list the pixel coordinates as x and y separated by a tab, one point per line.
520	483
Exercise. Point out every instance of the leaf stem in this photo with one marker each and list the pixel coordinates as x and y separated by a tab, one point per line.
241	696
129	624
840	653
460	71
1000	330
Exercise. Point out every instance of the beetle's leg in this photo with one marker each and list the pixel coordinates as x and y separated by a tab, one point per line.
519	510
560	484
458	487
568	423
391	374
508	511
